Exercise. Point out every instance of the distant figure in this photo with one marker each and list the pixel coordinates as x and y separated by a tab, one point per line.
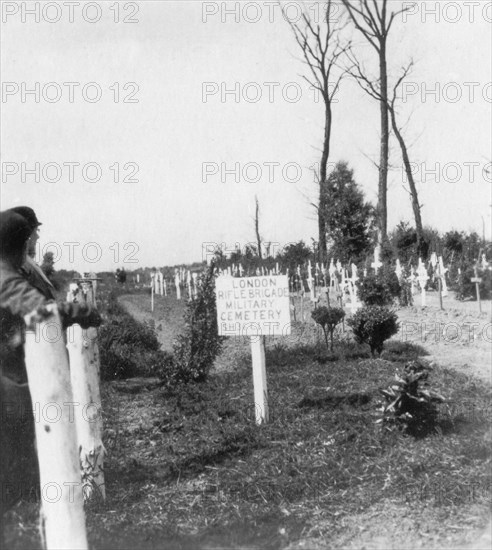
121	276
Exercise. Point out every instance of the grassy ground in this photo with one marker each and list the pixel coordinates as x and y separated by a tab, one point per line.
193	470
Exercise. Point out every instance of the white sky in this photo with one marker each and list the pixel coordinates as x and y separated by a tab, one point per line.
171	132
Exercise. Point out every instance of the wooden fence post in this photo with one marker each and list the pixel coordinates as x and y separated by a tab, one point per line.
85	373
62	504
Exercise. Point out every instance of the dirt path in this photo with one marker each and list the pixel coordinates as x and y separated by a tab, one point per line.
167	316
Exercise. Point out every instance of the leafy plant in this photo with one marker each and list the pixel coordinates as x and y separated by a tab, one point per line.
373	325
197	347
380	289
410	403
328	318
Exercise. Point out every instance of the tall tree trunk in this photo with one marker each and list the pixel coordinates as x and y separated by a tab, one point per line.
322	246
384	153
411	181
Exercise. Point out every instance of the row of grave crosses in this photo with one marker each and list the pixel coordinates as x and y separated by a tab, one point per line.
321	279
182	278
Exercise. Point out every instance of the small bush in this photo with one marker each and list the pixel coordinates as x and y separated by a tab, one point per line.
410	403
380	289
128	348
373	325
328	318
196	349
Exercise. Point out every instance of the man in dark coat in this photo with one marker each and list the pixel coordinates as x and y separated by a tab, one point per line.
17	299
30	269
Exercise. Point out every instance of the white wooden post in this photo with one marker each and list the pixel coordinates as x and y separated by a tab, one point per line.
398	269
354	298
259	379
310	282
443	271
83	352
423	277
152	296
331	271
62	502
188	283
177	281
195	284
477	280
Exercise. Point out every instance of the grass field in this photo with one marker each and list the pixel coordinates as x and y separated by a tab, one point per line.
192	470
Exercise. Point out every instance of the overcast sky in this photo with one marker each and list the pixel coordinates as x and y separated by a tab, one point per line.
177	135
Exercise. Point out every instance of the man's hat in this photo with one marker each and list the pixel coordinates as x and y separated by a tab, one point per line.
14	233
28	214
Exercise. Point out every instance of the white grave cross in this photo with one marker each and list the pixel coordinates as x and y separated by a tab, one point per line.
376	264
423	277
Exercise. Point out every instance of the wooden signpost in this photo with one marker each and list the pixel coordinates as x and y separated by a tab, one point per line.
254	307
477	280
62	502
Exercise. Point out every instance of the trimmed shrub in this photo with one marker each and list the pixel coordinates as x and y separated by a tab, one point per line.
197	347
373	325
380	289
328	318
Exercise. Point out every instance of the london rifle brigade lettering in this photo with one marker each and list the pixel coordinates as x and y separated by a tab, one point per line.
253	305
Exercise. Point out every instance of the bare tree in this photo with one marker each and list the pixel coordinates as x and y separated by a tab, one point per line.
257	226
421	244
373	90
321	48
371	19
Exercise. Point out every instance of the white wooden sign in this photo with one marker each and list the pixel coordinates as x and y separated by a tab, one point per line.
253	306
